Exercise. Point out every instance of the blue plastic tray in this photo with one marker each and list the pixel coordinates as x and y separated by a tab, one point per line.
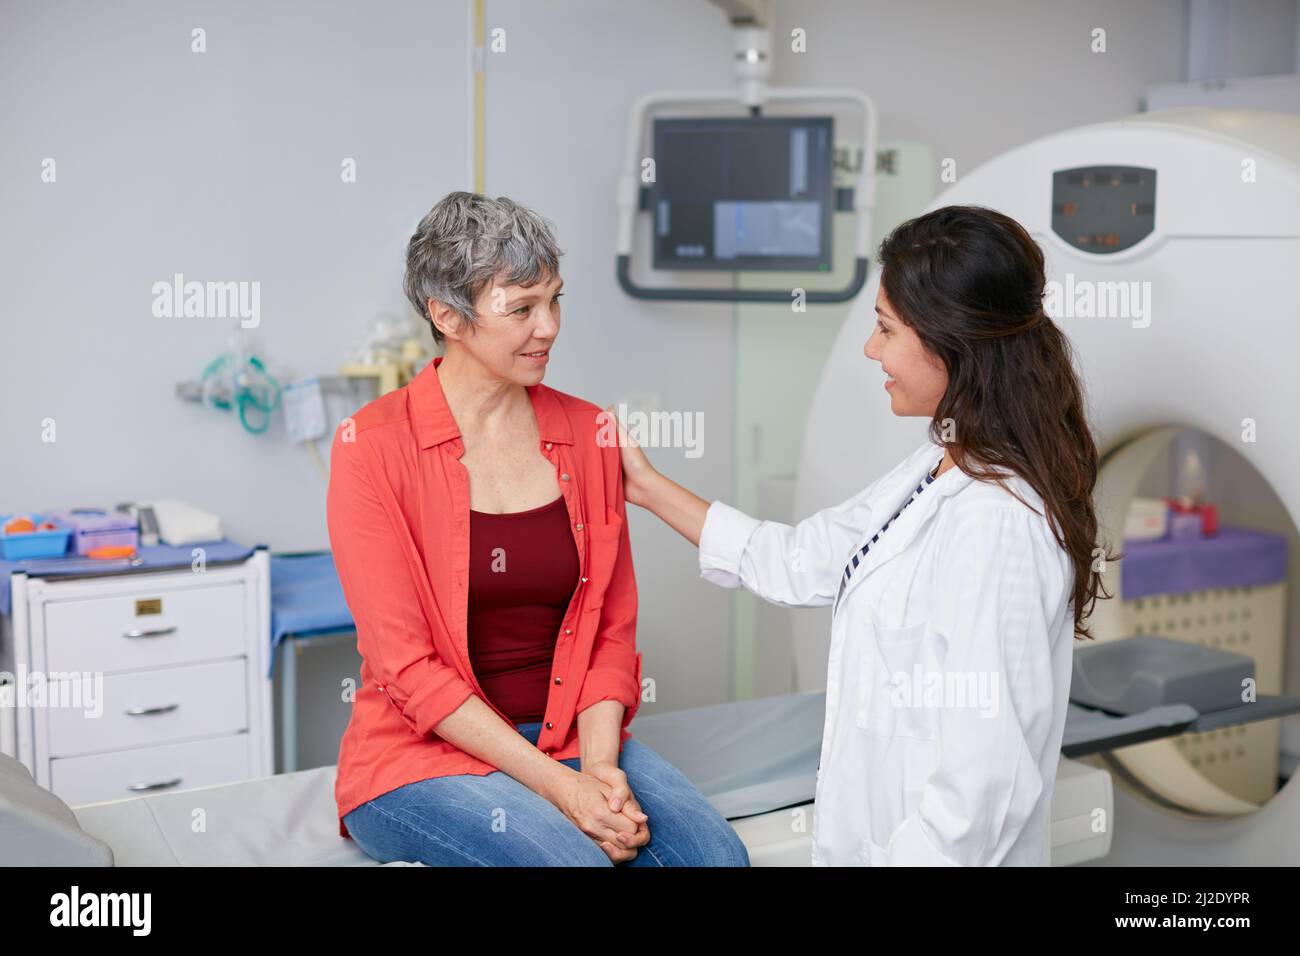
34	544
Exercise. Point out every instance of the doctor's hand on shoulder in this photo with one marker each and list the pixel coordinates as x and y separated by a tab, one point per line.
638	473
646	487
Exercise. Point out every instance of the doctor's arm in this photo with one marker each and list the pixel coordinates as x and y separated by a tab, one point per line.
995	587
793	566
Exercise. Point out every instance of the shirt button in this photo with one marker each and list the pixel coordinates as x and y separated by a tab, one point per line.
549	725
548	446
584	580
564	477
568	630
559	680
579	525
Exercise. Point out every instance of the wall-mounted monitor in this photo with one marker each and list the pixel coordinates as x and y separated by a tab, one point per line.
741	193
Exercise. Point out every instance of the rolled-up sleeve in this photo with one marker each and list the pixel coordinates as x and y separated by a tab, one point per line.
614	669
377	563
998	585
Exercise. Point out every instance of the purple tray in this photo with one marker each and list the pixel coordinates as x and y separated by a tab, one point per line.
1232	558
96	528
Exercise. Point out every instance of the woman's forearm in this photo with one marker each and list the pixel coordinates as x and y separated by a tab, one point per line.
599	730
476	729
681	509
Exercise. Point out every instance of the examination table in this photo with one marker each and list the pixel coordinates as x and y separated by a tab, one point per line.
753	759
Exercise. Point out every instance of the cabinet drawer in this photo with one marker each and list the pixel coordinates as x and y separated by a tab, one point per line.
149	770
173	703
110	634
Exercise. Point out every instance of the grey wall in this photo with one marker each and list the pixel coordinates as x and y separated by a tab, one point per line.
972	79
1235	38
221	166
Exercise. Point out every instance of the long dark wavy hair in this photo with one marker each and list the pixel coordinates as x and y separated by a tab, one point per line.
969	280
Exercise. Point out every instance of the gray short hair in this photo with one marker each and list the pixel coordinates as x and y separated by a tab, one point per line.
466	241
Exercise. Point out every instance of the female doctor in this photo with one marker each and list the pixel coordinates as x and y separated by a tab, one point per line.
957	580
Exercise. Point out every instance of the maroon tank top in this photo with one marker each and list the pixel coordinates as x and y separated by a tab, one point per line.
523	569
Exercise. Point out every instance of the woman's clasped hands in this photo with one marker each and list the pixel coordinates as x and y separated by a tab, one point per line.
600	803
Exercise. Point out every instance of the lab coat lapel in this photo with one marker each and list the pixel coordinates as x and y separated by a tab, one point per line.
904	529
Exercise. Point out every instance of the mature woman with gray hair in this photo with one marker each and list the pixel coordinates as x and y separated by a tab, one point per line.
479	530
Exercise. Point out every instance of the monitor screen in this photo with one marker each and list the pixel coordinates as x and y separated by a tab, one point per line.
737	193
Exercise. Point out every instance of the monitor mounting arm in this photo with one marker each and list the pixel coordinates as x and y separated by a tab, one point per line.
753	65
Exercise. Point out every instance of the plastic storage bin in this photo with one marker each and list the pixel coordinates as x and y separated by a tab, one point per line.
33	544
95	528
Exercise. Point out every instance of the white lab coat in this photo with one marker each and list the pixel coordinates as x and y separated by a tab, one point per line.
962	607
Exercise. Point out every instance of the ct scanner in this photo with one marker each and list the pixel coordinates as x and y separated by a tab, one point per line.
1217	352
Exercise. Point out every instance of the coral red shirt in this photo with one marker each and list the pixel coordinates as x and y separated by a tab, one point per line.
399	522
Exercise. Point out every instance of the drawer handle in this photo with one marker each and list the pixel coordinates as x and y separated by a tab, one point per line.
162	785
143	711
150	632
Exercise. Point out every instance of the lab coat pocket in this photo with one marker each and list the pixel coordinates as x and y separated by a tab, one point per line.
898	664
602	555
873	855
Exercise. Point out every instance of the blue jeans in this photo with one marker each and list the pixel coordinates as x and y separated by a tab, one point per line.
494	820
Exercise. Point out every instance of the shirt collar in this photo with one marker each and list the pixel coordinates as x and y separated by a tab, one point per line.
434	423
951	481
